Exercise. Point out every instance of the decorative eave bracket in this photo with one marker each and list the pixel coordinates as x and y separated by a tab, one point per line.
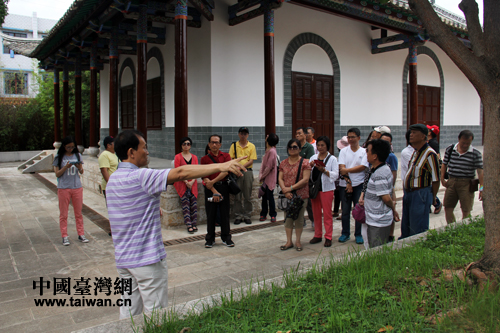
244	5
406	39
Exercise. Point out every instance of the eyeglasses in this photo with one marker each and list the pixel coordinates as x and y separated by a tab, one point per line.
214	143
69	147
293	147
186	144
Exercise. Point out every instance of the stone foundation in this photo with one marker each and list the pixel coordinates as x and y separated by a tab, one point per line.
170	202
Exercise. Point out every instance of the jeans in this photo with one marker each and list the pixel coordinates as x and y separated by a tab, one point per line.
268	196
416	211
346	210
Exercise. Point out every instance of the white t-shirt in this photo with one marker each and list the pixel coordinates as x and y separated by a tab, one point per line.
405	160
353	159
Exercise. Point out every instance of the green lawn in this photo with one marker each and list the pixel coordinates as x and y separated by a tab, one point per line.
387	290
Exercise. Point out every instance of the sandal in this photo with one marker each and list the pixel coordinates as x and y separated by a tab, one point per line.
284	247
190	229
299	248
195	229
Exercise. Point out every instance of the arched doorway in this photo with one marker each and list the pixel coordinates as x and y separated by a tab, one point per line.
311	85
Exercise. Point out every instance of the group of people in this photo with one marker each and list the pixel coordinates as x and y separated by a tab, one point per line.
363	176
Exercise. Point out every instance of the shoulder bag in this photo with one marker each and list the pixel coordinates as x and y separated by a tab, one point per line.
231	180
294	205
315	185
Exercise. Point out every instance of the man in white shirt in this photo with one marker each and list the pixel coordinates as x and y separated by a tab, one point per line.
352	165
406	156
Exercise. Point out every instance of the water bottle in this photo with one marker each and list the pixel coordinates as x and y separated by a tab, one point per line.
211	199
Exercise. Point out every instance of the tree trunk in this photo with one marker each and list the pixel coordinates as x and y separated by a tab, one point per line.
482	68
491	201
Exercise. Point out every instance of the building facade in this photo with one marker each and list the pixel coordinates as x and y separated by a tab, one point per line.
16	70
202	67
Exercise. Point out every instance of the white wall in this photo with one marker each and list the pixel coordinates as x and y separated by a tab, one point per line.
104	95
238	71
127	78
311	58
461	101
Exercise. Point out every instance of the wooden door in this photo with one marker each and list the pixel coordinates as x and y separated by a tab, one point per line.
312	103
429	105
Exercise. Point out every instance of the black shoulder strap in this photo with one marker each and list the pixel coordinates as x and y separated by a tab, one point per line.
213	160
298	172
235	153
327	158
448	151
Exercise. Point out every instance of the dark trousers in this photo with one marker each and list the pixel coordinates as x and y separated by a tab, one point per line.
336	200
346	210
416	211
310	211
268	197
212	208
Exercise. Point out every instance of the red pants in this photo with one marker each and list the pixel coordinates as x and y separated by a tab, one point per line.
323	202
76	196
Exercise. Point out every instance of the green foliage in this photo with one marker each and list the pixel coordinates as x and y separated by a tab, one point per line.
29	124
383	291
3	10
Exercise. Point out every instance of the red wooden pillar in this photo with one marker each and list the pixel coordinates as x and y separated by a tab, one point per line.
181	97
65	100
142	69
78	102
57	114
113	82
413	100
270	113
93	101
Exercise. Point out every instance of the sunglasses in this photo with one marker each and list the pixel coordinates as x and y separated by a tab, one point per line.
293	147
186	144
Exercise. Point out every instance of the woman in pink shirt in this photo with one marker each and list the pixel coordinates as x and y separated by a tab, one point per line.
187	189
267	176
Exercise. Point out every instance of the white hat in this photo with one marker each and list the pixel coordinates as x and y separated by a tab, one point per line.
382	129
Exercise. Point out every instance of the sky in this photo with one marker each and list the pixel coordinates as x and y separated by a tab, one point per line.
55	9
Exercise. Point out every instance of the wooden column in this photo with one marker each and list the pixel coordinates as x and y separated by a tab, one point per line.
78	102
413	100
113	82
181	97
57	114
93	99
142	70
270	121
65	100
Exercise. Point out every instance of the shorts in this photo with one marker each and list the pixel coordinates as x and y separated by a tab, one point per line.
458	190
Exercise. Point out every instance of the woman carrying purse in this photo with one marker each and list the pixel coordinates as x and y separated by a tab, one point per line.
292	181
324	173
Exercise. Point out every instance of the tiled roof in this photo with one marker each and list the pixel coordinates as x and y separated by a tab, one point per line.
20	45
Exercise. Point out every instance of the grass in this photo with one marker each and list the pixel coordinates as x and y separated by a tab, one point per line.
386	290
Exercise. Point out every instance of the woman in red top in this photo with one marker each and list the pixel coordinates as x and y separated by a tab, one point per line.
287	180
187	190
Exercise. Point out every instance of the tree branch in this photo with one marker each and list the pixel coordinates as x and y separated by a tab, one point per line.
473	67
471	12
492	33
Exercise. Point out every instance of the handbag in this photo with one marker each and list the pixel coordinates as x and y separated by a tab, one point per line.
474	185
231	180
316	184
284	203
262	190
295	206
358	213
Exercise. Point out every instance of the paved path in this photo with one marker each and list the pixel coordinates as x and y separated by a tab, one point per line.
30	248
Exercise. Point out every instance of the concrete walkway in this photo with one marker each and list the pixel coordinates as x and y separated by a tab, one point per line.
30	248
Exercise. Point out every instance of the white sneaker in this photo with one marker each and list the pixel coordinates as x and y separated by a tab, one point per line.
66	241
83	239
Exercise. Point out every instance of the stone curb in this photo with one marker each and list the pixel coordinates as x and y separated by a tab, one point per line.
196	306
